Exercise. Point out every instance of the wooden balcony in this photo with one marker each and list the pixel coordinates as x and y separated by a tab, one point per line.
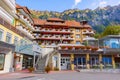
88	32
53	31
55	38
12	28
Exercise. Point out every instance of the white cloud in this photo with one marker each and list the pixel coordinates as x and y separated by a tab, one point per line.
119	2
76	2
102	3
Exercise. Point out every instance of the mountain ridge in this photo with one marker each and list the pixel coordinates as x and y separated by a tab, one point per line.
98	18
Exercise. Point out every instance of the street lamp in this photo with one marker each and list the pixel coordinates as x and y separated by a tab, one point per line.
61	40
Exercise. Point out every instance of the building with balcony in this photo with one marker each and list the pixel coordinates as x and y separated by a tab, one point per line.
16	26
54	31
68	37
25	50
8	35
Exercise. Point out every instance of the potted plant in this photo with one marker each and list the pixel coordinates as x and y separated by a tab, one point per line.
87	47
56	69
31	69
47	69
94	48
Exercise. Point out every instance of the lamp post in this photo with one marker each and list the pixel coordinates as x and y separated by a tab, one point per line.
61	40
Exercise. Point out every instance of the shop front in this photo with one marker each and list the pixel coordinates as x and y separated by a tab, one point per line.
25	56
2	61
6	57
27	61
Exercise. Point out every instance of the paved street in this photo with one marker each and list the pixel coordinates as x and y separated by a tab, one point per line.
63	75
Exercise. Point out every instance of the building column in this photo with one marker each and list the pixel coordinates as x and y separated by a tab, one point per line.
87	61
8	65
113	62
100	61
59	61
72	61
21	62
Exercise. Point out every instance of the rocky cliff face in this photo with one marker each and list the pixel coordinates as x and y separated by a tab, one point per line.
98	18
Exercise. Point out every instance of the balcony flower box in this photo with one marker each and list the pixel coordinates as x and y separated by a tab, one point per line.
60	29
56	36
82	47
46	36
46	29
50	35
85	31
56	29
88	47
94	48
66	36
71	36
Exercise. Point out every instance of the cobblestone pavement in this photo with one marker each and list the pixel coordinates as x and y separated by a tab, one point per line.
62	76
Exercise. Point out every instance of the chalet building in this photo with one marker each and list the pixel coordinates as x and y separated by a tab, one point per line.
67	37
16	39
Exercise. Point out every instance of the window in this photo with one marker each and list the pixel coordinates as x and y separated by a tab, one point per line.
77	36
1	34
77	42
15	40
107	61
2	59
21	42
77	30
8	38
114	43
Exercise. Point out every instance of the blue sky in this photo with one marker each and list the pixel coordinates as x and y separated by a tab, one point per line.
61	5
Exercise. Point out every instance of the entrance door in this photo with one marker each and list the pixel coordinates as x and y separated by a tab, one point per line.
94	60
117	61
80	62
65	63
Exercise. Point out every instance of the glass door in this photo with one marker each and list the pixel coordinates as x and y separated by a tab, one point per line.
94	62
65	63
80	62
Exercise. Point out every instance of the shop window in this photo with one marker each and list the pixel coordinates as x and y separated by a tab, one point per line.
1	34
8	37
114	43
107	62
2	59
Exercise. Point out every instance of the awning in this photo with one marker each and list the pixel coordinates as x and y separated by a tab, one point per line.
5	47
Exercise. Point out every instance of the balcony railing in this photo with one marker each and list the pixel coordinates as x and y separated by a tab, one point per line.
54	38
53	31
10	27
24	31
88	32
50	23
89	38
26	21
10	3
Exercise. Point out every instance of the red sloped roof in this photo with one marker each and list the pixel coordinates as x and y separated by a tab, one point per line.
24	8
55	19
73	24
18	6
86	26
39	21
